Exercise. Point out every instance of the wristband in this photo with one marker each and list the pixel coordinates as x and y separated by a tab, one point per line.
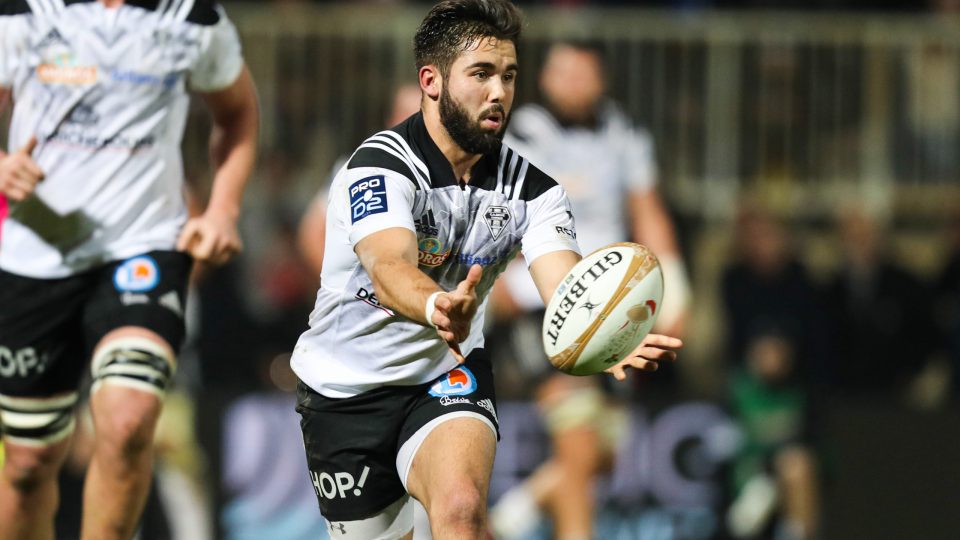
431	307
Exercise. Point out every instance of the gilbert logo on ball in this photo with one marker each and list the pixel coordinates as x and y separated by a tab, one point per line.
603	308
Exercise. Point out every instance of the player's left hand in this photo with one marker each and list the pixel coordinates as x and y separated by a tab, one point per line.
210	238
654	349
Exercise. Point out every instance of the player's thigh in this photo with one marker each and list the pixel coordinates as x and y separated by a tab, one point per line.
455	459
450	438
351	450
41	356
134	322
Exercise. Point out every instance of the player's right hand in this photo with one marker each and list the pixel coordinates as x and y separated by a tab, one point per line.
19	173
454	311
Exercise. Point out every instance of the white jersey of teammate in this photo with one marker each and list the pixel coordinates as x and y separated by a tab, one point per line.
399	178
104	90
598	166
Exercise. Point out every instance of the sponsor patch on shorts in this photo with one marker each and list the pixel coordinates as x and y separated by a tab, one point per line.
459	381
139	274
367	197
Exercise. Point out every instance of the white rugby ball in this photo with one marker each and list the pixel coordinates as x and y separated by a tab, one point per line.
603	308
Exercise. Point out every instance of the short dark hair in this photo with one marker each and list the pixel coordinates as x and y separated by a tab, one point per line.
453	26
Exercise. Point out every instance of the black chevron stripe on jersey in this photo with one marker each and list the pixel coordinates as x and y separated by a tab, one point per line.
407	150
14	7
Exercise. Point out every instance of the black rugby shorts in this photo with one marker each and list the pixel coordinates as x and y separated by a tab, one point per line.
352	443
49	327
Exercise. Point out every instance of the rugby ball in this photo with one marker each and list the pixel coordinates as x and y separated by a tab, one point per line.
603	308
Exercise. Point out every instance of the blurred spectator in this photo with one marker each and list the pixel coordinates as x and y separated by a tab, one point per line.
766	286
608	169
774	475
879	313
312	231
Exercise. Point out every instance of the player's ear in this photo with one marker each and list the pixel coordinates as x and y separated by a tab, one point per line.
430	81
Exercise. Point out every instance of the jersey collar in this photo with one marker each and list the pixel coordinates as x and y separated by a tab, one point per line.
441	172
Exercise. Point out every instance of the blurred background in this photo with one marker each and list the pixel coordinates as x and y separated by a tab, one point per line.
809	153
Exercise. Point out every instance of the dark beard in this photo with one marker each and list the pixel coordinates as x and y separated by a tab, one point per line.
467	133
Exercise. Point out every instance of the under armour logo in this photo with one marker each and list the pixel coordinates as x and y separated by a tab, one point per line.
338	527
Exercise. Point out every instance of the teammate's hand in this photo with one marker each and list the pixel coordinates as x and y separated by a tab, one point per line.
19	173
211	238
654	349
454	311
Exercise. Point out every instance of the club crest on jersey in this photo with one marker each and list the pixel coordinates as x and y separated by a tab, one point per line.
458	381
496	218
431	252
138	274
367	197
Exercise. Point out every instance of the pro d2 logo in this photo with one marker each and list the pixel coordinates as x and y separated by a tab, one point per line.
496	218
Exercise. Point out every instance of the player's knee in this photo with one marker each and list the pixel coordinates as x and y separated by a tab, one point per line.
125	433
28	468
462	507
133	362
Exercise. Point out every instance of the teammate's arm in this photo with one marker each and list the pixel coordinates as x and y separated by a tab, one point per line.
390	258
653	228
213	236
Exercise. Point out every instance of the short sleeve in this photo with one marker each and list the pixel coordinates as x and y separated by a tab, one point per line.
550	226
220	60
367	200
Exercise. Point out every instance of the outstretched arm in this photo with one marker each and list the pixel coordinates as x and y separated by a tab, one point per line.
213	236
549	270
390	258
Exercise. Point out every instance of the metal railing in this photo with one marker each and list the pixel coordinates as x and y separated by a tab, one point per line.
810	107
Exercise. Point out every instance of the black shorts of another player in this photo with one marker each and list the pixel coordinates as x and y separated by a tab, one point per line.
49	327
352	443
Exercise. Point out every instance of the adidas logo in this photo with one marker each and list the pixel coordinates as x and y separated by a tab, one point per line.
171	301
427	224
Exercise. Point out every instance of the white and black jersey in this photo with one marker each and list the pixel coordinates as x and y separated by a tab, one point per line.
399	178
597	165
105	91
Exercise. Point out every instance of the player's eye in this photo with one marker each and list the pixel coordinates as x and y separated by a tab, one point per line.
509	77
482	75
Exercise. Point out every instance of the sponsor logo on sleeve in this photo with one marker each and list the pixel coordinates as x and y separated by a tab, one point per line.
139	274
566	231
367	197
459	381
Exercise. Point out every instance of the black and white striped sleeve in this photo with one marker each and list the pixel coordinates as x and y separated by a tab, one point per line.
220	60
551	226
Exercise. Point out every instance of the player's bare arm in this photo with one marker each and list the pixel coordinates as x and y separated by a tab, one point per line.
213	237
548	271
653	227
390	259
